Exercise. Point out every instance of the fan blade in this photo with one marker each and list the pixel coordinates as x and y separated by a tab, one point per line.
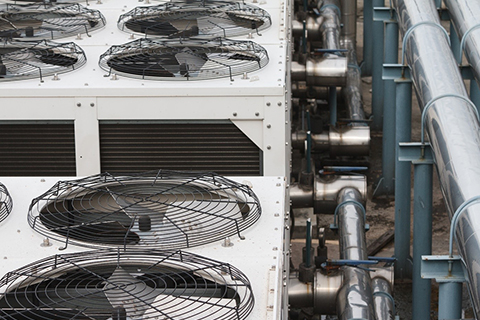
185	28
192	61
125	291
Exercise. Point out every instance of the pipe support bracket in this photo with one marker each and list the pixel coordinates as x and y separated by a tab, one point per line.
464	38
430	104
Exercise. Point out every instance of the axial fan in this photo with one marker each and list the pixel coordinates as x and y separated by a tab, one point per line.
48	21
164	209
187	18
138	285
185	59
6	203
37	59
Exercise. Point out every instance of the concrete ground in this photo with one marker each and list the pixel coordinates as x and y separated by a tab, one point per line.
381	211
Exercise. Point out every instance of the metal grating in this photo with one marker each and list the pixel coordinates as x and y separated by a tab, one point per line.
48	21
6	203
184	59
218	147
106	284
37	149
161	209
187	18
20	60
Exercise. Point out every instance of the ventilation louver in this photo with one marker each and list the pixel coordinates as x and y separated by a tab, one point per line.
164	209
187	59
107	284
6	203
37	59
187	18
50	21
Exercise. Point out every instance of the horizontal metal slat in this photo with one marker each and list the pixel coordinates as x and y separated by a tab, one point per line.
133	147
37	149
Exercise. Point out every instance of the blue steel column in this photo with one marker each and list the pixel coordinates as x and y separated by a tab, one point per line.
388	138
455	43
449	300
475	93
332	101
402	177
422	237
368	6
377	82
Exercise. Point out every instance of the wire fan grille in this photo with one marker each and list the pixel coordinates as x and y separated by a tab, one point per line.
191	18
164	209
38	59
106	284
6	203
41	21
186	59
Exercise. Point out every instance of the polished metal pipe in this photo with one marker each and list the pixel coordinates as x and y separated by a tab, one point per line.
349	19
383	299
330	28
465	17
355	298
324	194
451	124
342	141
312	27
351	226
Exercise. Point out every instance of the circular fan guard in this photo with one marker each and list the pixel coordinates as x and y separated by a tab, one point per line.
109	284
187	59
164	209
191	18
48	21
37	59
6	203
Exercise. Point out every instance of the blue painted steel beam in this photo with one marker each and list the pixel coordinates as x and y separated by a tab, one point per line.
402	177
368	5
450	274
422	237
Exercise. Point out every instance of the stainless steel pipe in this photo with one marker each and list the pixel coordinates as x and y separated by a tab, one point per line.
465	16
383	299
355	298
324	194
342	141
451	124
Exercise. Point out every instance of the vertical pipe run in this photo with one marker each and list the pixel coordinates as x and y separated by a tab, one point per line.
332	101
449	300
402	177
377	82
355	298
308	245
383	299
422	238
368	58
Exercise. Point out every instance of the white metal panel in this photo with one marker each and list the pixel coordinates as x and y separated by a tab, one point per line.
260	256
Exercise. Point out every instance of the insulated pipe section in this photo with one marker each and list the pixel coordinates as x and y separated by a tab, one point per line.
351	225
324	196
321	295
349	19
355	298
325	71
312	27
342	141
465	15
383	299
451	124
330	28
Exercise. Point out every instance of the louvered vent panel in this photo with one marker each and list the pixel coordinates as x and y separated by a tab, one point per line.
37	149
218	147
